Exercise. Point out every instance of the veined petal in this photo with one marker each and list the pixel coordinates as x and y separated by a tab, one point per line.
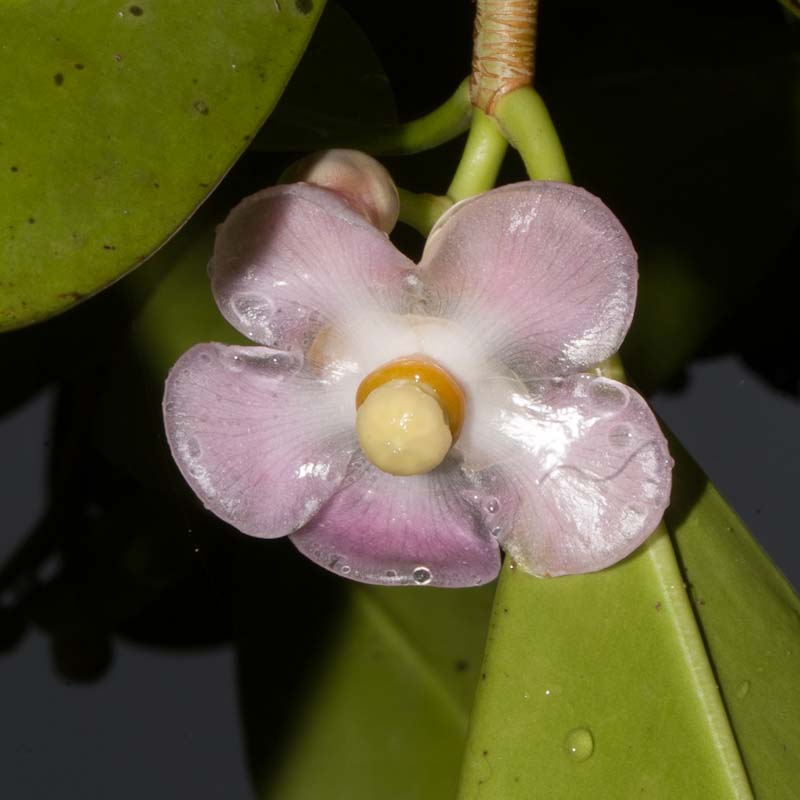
418	530
292	259
262	442
584	472
542	274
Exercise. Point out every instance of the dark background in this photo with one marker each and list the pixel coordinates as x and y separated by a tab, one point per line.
128	689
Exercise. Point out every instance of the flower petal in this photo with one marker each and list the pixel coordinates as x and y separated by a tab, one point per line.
291	259
585	473
423	530
262	442
542	274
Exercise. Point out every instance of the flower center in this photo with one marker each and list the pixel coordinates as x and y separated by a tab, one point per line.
410	413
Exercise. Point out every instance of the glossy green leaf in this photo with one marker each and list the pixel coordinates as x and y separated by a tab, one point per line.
603	686
750	617
598	686
117	121
387	714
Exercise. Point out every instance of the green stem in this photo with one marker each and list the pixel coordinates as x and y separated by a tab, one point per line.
444	123
421	211
481	161
523	118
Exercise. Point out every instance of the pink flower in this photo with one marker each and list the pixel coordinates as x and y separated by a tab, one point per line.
519	292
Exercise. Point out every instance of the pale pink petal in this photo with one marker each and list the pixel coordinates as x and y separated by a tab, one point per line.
262	442
584	473
542	274
292	259
421	530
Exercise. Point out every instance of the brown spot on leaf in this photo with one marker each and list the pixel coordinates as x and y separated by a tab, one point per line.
137	11
78	66
200	107
304	6
58	78
15	169
461	665
31	220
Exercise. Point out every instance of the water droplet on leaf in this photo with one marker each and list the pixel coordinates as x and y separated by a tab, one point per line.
579	744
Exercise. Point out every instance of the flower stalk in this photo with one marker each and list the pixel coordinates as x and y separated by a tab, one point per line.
503	50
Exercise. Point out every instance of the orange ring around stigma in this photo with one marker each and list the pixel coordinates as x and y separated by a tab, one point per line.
422	371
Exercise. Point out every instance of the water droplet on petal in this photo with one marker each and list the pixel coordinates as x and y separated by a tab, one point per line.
492	506
254	311
607	395
620	436
631	520
579	744
422	576
743	689
390	573
345	569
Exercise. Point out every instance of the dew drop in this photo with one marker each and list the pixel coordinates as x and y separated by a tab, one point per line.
607	395
390	573
496	531
252	309
620	436
422	576
492	506
743	689
579	744
345	568
631	520
525	696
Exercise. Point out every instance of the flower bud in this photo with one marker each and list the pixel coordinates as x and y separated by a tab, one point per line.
359	179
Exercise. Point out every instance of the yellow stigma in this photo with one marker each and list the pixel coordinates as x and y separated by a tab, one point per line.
410	413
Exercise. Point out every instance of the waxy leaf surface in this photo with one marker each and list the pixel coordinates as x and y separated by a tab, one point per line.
118	119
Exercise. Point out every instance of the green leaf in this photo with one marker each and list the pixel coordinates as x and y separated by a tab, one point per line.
386	716
617	656
750	618
117	121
